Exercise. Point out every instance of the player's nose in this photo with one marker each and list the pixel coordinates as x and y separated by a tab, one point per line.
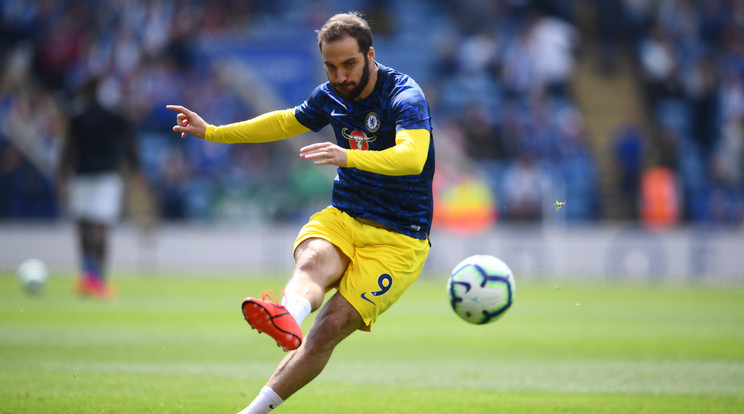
342	76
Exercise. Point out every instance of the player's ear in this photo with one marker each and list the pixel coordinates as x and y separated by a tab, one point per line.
371	54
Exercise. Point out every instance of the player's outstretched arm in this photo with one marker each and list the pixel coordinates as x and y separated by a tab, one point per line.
188	122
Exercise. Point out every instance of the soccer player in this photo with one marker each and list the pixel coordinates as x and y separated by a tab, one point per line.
372	242
97	143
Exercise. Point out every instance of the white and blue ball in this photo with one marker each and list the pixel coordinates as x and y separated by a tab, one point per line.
481	289
33	275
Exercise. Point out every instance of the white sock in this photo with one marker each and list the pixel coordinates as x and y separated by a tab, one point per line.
298	306
265	401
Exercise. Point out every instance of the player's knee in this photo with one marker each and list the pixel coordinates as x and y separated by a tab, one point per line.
320	261
320	339
311	255
308	262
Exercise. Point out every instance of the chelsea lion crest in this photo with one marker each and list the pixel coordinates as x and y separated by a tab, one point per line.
372	122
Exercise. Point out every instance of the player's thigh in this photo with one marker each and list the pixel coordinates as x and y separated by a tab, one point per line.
96	197
323	248
380	273
320	261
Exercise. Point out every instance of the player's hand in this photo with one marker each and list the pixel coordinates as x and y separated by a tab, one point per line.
188	122
324	153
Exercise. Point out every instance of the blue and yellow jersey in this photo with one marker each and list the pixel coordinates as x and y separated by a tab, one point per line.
403	203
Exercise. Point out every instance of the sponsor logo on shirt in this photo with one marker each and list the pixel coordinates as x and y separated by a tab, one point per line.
358	139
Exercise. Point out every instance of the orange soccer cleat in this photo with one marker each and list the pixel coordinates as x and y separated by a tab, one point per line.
93	286
268	316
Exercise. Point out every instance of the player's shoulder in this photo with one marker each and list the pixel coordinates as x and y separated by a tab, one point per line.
324	90
322	96
394	79
400	87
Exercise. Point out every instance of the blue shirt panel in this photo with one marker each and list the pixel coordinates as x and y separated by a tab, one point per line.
402	203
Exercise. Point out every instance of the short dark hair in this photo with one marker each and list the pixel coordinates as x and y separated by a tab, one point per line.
346	24
88	88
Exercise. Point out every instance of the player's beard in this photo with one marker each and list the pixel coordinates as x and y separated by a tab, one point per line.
357	90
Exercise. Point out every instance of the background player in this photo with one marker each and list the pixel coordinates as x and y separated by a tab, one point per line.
371	244
99	144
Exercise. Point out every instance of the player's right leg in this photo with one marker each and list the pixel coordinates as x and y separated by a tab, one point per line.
319	265
268	316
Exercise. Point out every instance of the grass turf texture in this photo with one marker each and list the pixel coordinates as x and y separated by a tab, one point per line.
180	345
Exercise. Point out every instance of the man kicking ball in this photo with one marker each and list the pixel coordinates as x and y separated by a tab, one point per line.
371	243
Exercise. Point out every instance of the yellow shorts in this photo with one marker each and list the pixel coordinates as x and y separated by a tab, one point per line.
383	263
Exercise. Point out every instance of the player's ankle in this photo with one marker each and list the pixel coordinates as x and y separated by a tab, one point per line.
265	401
297	306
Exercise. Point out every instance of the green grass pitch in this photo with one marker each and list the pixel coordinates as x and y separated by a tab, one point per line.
179	345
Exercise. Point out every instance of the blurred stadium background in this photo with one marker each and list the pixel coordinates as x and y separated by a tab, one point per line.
630	111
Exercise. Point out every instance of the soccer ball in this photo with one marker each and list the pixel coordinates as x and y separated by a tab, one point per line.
481	288
33	275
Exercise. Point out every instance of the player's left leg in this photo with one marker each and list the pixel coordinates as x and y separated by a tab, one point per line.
335	321
88	263
99	248
94	246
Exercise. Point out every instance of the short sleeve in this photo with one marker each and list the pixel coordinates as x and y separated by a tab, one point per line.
312	113
411	109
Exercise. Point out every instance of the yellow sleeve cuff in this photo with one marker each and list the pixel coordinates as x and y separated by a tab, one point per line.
211	130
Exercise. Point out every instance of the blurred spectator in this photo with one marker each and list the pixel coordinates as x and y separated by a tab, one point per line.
702	88
477	54
482	140
728	158
660	198
173	176
628	152
576	168
24	192
524	189
552	43
609	29
659	66
518	70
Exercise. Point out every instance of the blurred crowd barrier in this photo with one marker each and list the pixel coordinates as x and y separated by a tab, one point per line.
512	127
596	253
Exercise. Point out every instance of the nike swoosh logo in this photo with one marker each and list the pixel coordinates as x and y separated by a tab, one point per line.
271	406
334	113
365	298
